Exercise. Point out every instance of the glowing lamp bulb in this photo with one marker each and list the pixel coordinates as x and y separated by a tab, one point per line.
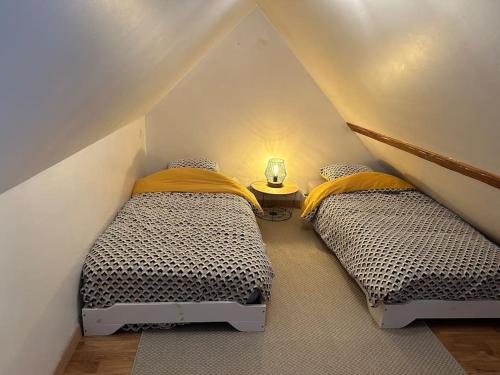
275	172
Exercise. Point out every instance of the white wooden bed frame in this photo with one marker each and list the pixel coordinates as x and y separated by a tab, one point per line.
401	314
105	321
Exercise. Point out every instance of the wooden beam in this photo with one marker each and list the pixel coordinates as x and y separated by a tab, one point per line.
444	161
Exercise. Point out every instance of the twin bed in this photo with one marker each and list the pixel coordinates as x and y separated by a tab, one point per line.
187	248
412	257
174	257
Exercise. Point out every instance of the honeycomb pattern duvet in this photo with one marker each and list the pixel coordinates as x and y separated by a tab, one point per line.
178	247
402	245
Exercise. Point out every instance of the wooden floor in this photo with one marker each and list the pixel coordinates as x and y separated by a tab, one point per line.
104	355
475	345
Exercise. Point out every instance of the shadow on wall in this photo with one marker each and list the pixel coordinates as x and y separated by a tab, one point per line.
387	168
137	168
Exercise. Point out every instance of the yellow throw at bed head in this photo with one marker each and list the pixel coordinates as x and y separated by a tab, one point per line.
192	180
355	182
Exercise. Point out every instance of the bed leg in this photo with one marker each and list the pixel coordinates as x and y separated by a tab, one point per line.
100	329
105	321
395	323
93	326
399	315
253	326
390	317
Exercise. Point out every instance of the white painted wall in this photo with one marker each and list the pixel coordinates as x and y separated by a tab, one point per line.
250	99
475	201
426	72
47	225
72	72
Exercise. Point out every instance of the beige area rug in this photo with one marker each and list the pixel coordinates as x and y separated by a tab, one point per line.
317	323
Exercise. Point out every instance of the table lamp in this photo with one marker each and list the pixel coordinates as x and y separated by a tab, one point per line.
275	172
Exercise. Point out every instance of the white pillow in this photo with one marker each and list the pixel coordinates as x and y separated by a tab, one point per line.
336	170
202	163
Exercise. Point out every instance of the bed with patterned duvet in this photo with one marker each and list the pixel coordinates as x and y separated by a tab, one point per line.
399	244
172	243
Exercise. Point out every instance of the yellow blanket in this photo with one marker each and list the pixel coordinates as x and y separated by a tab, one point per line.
355	182
193	180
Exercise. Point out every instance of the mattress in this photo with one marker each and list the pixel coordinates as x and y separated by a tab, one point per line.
178	247
401	245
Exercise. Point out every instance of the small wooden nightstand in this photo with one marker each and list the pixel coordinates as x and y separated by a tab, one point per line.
275	207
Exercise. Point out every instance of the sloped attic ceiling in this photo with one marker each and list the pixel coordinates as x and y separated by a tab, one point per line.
72	72
425	72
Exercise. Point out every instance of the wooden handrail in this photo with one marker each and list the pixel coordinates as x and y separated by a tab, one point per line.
444	161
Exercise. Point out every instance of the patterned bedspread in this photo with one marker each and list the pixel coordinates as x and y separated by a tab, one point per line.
178	247
402	245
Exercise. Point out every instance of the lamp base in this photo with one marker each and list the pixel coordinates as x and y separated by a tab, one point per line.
276	214
275	184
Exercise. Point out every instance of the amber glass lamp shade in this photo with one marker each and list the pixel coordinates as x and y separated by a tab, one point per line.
275	172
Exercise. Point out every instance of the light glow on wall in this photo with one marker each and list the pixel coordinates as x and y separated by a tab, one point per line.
400	64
